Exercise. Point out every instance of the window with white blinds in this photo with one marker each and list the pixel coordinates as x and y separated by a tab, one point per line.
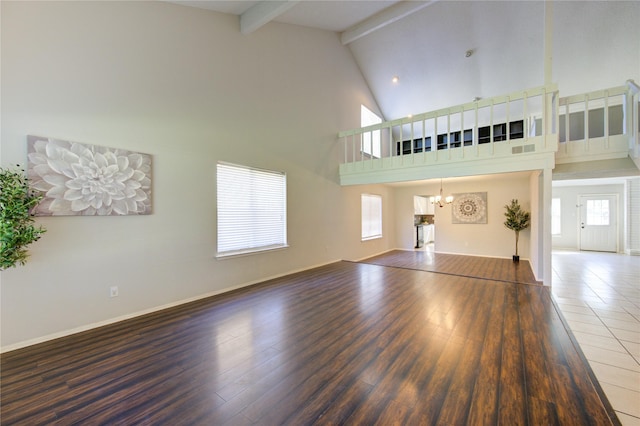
252	209
371	217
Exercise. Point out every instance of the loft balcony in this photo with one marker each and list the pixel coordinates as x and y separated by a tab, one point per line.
598	134
529	130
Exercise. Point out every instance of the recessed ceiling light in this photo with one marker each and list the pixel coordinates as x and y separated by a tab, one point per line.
395	79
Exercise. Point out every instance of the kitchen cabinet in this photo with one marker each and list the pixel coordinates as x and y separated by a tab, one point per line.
429	233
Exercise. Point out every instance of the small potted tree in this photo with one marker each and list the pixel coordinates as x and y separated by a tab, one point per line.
517	220
17	230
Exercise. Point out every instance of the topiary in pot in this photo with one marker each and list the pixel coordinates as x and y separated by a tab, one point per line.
17	230
517	220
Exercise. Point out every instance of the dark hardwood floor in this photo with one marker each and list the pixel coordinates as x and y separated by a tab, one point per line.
465	266
347	343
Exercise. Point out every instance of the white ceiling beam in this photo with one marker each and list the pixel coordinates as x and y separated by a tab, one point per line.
382	19
262	13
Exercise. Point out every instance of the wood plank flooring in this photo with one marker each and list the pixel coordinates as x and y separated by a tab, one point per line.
465	266
347	343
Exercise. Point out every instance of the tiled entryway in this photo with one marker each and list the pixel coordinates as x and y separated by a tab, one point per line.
599	296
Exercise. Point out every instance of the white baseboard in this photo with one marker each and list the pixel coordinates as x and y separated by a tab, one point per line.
87	327
482	255
374	255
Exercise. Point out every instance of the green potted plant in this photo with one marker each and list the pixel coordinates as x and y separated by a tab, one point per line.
517	220
17	228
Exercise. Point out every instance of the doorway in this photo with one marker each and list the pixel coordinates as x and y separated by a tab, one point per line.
598	222
423	222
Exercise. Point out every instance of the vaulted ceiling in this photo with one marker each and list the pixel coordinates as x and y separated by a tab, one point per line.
450	52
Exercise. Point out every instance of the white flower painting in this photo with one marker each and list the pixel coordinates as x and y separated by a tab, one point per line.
88	180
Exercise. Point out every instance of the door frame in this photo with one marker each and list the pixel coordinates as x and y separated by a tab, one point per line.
617	217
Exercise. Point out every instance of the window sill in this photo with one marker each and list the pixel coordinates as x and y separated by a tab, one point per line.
249	252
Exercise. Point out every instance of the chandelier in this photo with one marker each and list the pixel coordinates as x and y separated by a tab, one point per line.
439	200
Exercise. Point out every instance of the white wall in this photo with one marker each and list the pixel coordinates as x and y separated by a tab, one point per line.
596	44
352	214
570	214
185	86
490	239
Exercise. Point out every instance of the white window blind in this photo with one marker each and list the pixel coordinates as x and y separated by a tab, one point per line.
371	216
252	209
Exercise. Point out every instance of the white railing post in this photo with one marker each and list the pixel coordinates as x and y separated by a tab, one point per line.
554	115
402	141
353	146
345	139
491	129
606	119
633	123
586	123
507	128
476	133
390	140
449	133
635	128
525	119
424	138
413	160
462	131
434	142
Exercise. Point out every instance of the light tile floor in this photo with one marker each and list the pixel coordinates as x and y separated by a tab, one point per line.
599	296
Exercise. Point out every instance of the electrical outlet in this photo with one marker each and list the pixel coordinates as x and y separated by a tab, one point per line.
113	291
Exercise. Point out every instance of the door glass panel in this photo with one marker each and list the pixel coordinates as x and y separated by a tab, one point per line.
598	212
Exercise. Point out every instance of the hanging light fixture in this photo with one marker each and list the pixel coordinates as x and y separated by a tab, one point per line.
439	200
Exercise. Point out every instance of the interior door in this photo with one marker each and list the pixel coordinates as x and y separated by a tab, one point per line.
598	222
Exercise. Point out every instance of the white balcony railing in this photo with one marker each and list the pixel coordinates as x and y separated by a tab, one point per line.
528	130
599	125
522	124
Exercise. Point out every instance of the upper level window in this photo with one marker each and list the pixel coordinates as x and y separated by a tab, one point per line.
252	209
556	216
370	140
371	217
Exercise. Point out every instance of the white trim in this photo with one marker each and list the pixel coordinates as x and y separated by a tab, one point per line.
618	216
376	254
438	252
87	327
482	255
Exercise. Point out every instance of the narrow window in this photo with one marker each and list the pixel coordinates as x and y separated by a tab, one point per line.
370	140
556	216
371	217
252	209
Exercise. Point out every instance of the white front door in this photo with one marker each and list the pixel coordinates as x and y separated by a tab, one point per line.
598	222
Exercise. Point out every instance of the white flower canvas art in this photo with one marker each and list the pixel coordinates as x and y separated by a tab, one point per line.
78	179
